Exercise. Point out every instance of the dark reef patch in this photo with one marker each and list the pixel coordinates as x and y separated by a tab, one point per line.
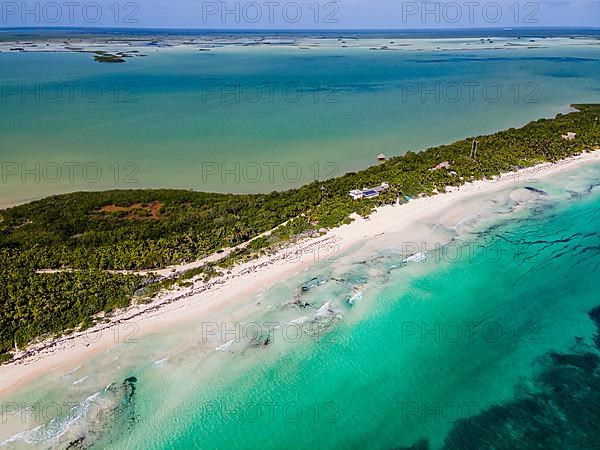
560	410
595	316
114	415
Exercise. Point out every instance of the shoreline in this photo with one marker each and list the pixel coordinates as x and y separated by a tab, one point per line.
169	308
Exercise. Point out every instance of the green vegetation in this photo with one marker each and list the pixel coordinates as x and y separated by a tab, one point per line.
103	57
145	229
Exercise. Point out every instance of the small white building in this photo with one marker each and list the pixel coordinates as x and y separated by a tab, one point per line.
356	194
570	136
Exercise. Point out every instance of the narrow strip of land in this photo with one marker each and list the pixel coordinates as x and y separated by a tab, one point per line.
202	298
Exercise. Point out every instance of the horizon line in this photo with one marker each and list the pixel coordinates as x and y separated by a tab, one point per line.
545	27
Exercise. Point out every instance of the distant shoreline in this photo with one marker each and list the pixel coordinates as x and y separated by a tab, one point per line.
566	109
168	308
333	31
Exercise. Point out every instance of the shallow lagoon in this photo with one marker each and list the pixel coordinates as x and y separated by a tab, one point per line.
259	118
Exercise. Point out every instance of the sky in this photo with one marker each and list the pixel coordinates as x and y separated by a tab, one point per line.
284	14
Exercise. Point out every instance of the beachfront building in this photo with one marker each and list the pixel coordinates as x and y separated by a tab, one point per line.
358	194
570	136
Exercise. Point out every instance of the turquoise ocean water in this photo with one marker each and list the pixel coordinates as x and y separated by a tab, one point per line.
257	119
448	349
372	351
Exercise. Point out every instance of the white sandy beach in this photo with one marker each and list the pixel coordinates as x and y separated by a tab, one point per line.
245	280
